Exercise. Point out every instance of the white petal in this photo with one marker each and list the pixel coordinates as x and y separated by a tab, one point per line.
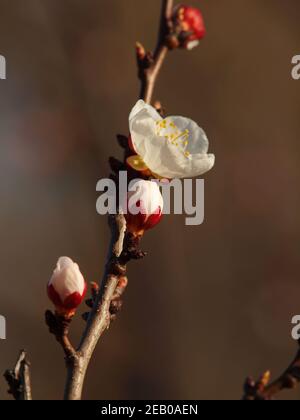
142	122
142	106
173	148
192	44
198	141
64	262
67	278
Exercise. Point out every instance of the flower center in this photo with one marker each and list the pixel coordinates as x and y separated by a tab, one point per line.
167	128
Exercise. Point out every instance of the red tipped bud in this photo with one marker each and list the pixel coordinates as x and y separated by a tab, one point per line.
67	287
140	51
144	207
189	26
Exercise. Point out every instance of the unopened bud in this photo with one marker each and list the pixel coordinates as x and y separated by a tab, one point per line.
144	207
67	287
140	51
189	26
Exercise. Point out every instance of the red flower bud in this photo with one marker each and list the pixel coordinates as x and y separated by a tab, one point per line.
67	287
144	207
189	26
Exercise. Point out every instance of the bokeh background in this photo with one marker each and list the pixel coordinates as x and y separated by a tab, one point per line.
211	304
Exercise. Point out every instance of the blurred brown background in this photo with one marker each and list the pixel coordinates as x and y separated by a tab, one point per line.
211	304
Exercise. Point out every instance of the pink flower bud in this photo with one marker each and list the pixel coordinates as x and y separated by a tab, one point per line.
144	207
189	26
67	287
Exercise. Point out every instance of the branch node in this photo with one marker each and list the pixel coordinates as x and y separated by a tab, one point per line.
18	379
59	326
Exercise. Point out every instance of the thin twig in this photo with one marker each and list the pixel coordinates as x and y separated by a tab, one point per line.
18	379
59	326
123	249
99	319
150	64
263	390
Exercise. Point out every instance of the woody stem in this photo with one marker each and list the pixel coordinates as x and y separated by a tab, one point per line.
150	69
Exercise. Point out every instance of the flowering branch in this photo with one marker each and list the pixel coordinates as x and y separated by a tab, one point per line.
263	390
18	379
124	246
181	27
